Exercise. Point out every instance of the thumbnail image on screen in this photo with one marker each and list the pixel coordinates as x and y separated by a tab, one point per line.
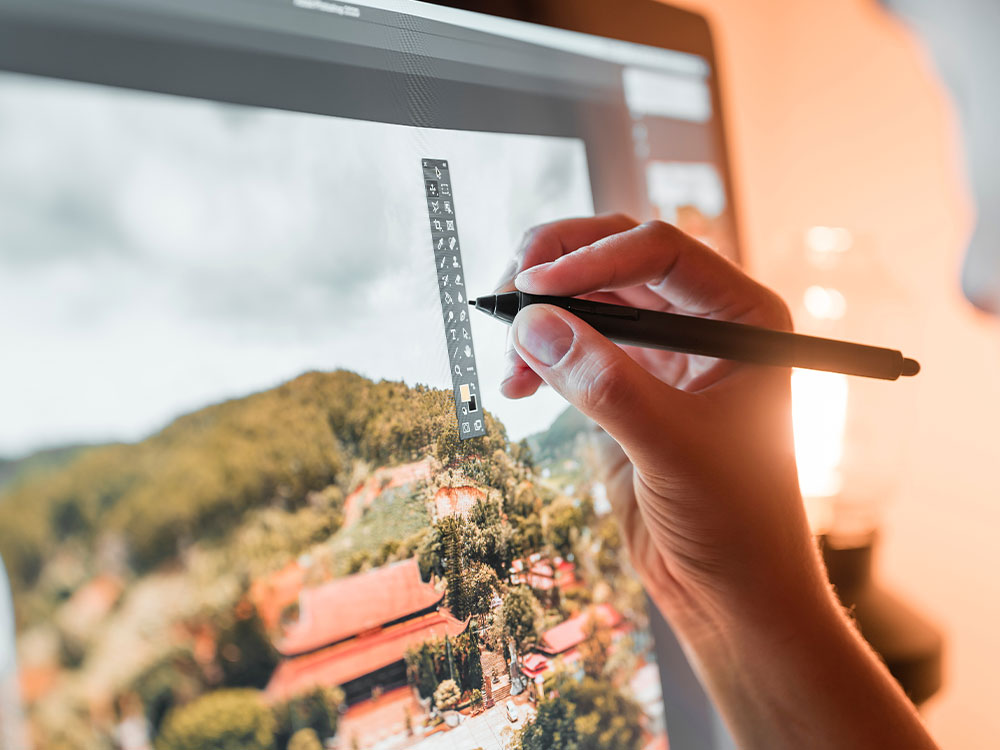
237	510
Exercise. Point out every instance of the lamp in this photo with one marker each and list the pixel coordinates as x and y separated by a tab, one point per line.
851	438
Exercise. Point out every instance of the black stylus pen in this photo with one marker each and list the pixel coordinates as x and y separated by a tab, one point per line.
713	338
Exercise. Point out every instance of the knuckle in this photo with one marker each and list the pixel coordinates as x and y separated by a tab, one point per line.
530	237
605	386
620	217
662	230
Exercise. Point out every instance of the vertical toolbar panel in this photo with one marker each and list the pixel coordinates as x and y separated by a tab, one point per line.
450	270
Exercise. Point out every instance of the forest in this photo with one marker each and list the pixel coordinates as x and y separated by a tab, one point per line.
196	477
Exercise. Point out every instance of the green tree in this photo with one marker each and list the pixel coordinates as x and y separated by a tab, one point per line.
317	709
223	720
604	716
521	500
609	539
487	539
563	523
451	530
243	651
305	739
447	695
528	537
552	728
595	647
520	619
481	586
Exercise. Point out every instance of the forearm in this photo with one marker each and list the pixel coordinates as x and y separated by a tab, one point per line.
800	676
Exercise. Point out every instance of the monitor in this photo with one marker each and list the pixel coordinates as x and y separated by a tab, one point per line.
258	483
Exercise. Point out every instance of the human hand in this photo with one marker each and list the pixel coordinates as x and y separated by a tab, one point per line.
701	469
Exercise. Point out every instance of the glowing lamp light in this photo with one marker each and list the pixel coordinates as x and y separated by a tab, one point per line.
819	420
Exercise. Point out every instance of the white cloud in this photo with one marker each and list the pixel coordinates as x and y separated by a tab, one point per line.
158	254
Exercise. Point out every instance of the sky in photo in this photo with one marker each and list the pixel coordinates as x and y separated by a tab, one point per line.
158	254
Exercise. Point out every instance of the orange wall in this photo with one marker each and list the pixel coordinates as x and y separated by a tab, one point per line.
837	118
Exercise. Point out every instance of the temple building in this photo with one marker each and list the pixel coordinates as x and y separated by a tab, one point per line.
355	631
564	639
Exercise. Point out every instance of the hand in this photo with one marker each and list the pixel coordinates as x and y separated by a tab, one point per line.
699	465
701	470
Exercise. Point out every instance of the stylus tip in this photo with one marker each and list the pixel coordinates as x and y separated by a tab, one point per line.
910	367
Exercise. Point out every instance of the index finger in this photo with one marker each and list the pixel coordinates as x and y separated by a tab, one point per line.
685	273
547	242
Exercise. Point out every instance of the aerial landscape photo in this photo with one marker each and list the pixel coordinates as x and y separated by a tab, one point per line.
325	564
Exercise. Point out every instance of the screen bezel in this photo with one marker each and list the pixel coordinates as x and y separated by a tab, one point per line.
223	57
648	22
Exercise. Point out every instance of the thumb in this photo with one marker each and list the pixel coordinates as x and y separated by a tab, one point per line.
602	381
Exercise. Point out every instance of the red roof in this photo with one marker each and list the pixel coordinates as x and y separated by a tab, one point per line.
359	656
350	606
570	633
534	664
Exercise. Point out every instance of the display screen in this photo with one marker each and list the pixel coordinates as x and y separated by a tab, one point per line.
260	488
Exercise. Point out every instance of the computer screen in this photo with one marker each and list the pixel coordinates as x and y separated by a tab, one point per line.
258	484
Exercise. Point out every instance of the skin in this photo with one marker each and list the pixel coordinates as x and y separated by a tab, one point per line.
697	455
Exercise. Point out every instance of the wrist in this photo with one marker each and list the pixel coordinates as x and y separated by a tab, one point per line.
792	671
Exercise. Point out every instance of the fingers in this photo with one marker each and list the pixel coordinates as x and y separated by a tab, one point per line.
541	244
548	242
686	274
600	380
518	380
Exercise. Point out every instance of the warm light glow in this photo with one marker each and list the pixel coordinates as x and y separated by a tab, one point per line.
819	416
829	239
824	303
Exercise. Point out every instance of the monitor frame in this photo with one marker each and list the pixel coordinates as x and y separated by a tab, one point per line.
138	47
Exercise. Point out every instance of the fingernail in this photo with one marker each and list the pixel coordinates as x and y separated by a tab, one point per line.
526	276
543	334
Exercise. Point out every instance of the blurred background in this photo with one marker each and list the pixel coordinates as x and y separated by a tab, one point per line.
838	120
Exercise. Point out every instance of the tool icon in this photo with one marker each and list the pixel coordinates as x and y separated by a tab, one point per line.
468	351
445	188
451	316
440	244
437	173
449	225
448	299
436	207
436	223
454	262
444	280
452	243
447	207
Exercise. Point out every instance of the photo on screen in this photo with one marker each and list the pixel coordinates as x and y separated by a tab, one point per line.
235	499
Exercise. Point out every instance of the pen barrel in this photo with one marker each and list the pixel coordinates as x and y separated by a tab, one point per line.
736	341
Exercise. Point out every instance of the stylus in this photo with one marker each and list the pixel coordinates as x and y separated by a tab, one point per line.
712	338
